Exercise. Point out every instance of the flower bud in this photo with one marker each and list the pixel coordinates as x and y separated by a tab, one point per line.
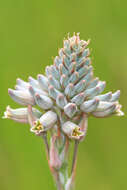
80	86
84	70
48	71
72	130
115	96
74	77
34	90
95	90
106	112
70	109
55	83
43	82
22	97
104	105
64	81
55	72
22	83
43	102
105	97
34	83
56	61
78	99
61	101
69	90
63	70
72	67
88	77
93	83
53	92
18	87
89	106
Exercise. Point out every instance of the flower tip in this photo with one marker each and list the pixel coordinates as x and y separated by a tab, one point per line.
5	116
119	112
37	95
10	91
30	78
18	80
104	83
118	91
6	113
39	76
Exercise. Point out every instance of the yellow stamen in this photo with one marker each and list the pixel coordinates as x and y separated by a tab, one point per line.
76	132
38	126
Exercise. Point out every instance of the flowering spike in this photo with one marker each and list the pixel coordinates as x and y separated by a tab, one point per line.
69	94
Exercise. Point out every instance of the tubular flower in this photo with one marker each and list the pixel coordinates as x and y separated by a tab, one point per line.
68	93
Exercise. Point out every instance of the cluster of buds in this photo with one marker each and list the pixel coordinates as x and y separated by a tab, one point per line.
68	94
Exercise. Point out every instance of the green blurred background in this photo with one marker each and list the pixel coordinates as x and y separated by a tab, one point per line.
30	34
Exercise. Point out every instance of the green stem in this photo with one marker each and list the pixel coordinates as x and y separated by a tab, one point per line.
44	136
74	161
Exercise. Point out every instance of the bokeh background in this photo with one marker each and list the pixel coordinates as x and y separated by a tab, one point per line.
30	34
